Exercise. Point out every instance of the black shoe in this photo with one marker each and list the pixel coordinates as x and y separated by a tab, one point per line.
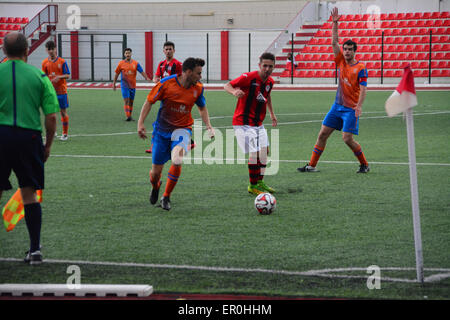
33	258
307	168
129	119
363	169
154	194
165	203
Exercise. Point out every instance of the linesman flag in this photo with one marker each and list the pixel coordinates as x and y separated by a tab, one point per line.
404	97
14	209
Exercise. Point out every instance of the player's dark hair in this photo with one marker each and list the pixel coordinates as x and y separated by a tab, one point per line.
15	45
169	44
191	63
267	56
127	49
50	45
350	43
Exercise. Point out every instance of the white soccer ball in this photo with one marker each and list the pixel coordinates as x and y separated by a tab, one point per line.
265	203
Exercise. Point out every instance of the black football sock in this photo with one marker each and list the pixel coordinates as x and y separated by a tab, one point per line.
33	219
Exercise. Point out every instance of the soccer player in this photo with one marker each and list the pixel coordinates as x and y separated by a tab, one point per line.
24	92
172	129
253	92
128	69
170	65
167	67
57	70
350	95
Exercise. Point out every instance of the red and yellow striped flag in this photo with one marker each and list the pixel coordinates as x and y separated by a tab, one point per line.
14	210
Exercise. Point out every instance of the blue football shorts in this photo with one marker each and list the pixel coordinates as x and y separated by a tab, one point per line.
164	142
63	101
128	93
342	118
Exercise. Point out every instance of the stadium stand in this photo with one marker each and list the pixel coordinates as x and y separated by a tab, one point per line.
401	38
36	29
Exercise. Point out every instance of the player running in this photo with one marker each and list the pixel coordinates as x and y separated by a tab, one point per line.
347	108
172	129
168	67
253	92
128	68
57	70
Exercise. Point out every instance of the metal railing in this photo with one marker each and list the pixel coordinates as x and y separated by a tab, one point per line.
47	15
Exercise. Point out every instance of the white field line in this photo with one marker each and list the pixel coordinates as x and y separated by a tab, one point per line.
280	123
327	273
218	160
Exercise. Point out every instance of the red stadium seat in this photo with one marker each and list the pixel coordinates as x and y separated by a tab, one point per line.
423	65
388	73
414	64
446	47
420	73
387	65
446	73
436	73
426	15
329	74
24	20
3	26
437	47
2	19
435	15
346	17
398	73
300	74
374	73
319	73
444	15
422	56
10	20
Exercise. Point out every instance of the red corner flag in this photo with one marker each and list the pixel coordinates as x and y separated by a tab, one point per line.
404	97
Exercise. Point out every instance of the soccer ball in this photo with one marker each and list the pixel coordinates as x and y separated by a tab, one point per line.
265	203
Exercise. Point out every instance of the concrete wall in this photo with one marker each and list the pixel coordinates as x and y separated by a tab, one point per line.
193	15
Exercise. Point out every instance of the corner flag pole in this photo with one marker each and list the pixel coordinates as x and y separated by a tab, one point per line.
414	194
403	99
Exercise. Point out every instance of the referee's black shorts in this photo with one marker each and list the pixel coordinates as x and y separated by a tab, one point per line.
21	151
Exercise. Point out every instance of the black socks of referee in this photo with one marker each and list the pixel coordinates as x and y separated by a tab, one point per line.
33	219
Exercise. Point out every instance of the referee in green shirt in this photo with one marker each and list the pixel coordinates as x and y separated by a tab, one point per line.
24	91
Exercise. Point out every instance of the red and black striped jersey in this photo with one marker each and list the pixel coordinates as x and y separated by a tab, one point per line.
251	108
166	68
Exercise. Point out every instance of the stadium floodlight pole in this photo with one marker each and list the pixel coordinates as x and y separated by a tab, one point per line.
414	194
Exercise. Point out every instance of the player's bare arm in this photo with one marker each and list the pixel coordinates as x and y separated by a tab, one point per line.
146	107
273	117
204	114
335	40
362	97
238	93
114	81
146	77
